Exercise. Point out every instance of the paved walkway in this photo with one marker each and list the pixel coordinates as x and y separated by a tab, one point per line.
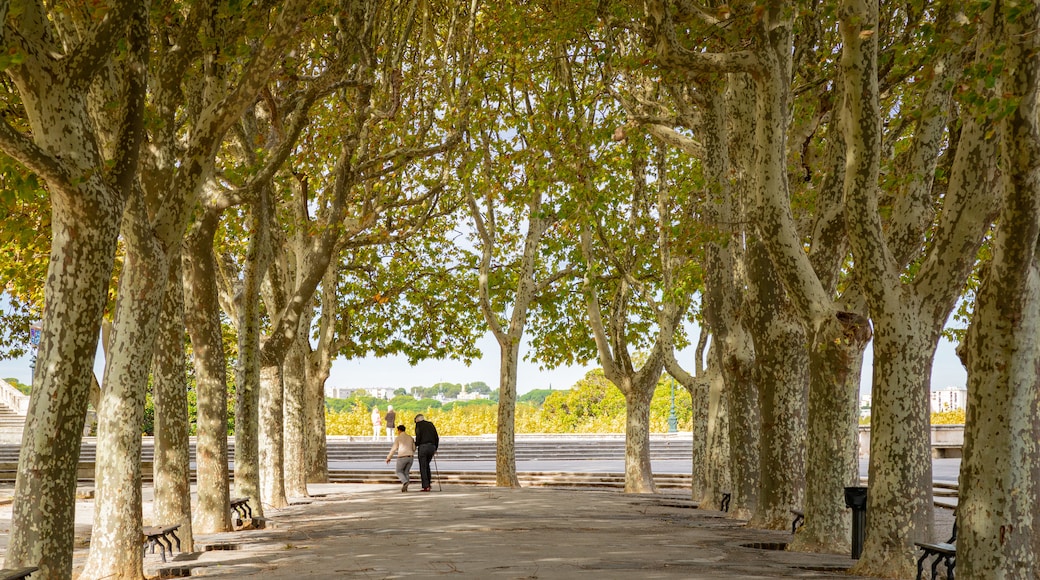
375	531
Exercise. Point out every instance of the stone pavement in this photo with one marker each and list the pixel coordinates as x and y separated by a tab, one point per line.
375	531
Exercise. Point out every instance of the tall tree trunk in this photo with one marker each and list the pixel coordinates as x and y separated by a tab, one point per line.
907	316
697	385
718	471
639	476
743	422
505	448
997	508
247	406
202	318
116	539
295	399
88	193
319	365
78	277
317	447
900	471
272	444
835	361
171	467
247	390
781	373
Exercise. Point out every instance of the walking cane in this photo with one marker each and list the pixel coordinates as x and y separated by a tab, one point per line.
438	471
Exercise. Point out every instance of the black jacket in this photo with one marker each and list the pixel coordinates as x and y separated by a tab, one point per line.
425	433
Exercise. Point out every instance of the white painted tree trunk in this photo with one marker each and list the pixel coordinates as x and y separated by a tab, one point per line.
272	443
212	513
171	471
115	546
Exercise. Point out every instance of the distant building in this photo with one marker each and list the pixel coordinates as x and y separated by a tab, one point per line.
864	406
340	392
949	399
347	392
466	396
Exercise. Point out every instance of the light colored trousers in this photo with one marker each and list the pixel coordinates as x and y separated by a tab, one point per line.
404	465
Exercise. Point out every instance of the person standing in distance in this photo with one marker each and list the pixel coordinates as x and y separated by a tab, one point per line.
377	424
426	442
389	421
404	445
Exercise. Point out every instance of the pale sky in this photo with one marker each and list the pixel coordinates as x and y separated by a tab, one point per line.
395	372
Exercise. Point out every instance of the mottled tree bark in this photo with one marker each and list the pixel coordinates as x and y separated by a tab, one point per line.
997	507
116	538
908	317
88	193
505	439
832	455
319	365
295	380
272	449
202	318
171	467
247	371
718	472
78	277
639	476
782	376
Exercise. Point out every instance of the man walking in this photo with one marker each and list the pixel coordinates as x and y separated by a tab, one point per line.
404	446
426	442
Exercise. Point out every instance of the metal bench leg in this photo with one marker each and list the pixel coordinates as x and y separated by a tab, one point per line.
169	545
920	565
935	566
178	540
162	549
950	562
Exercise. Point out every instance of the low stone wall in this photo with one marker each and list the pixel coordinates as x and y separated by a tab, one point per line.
947	440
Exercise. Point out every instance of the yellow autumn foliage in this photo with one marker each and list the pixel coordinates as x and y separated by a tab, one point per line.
592	406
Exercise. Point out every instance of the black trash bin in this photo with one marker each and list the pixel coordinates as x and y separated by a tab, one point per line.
856	498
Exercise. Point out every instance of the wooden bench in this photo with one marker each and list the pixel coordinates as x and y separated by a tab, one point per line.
942	552
17	573
160	536
798	521
240	505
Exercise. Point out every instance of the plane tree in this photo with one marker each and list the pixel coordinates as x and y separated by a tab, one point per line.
997	513
352	186
88	172
517	188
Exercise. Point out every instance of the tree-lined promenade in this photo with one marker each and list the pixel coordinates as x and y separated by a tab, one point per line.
233	195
